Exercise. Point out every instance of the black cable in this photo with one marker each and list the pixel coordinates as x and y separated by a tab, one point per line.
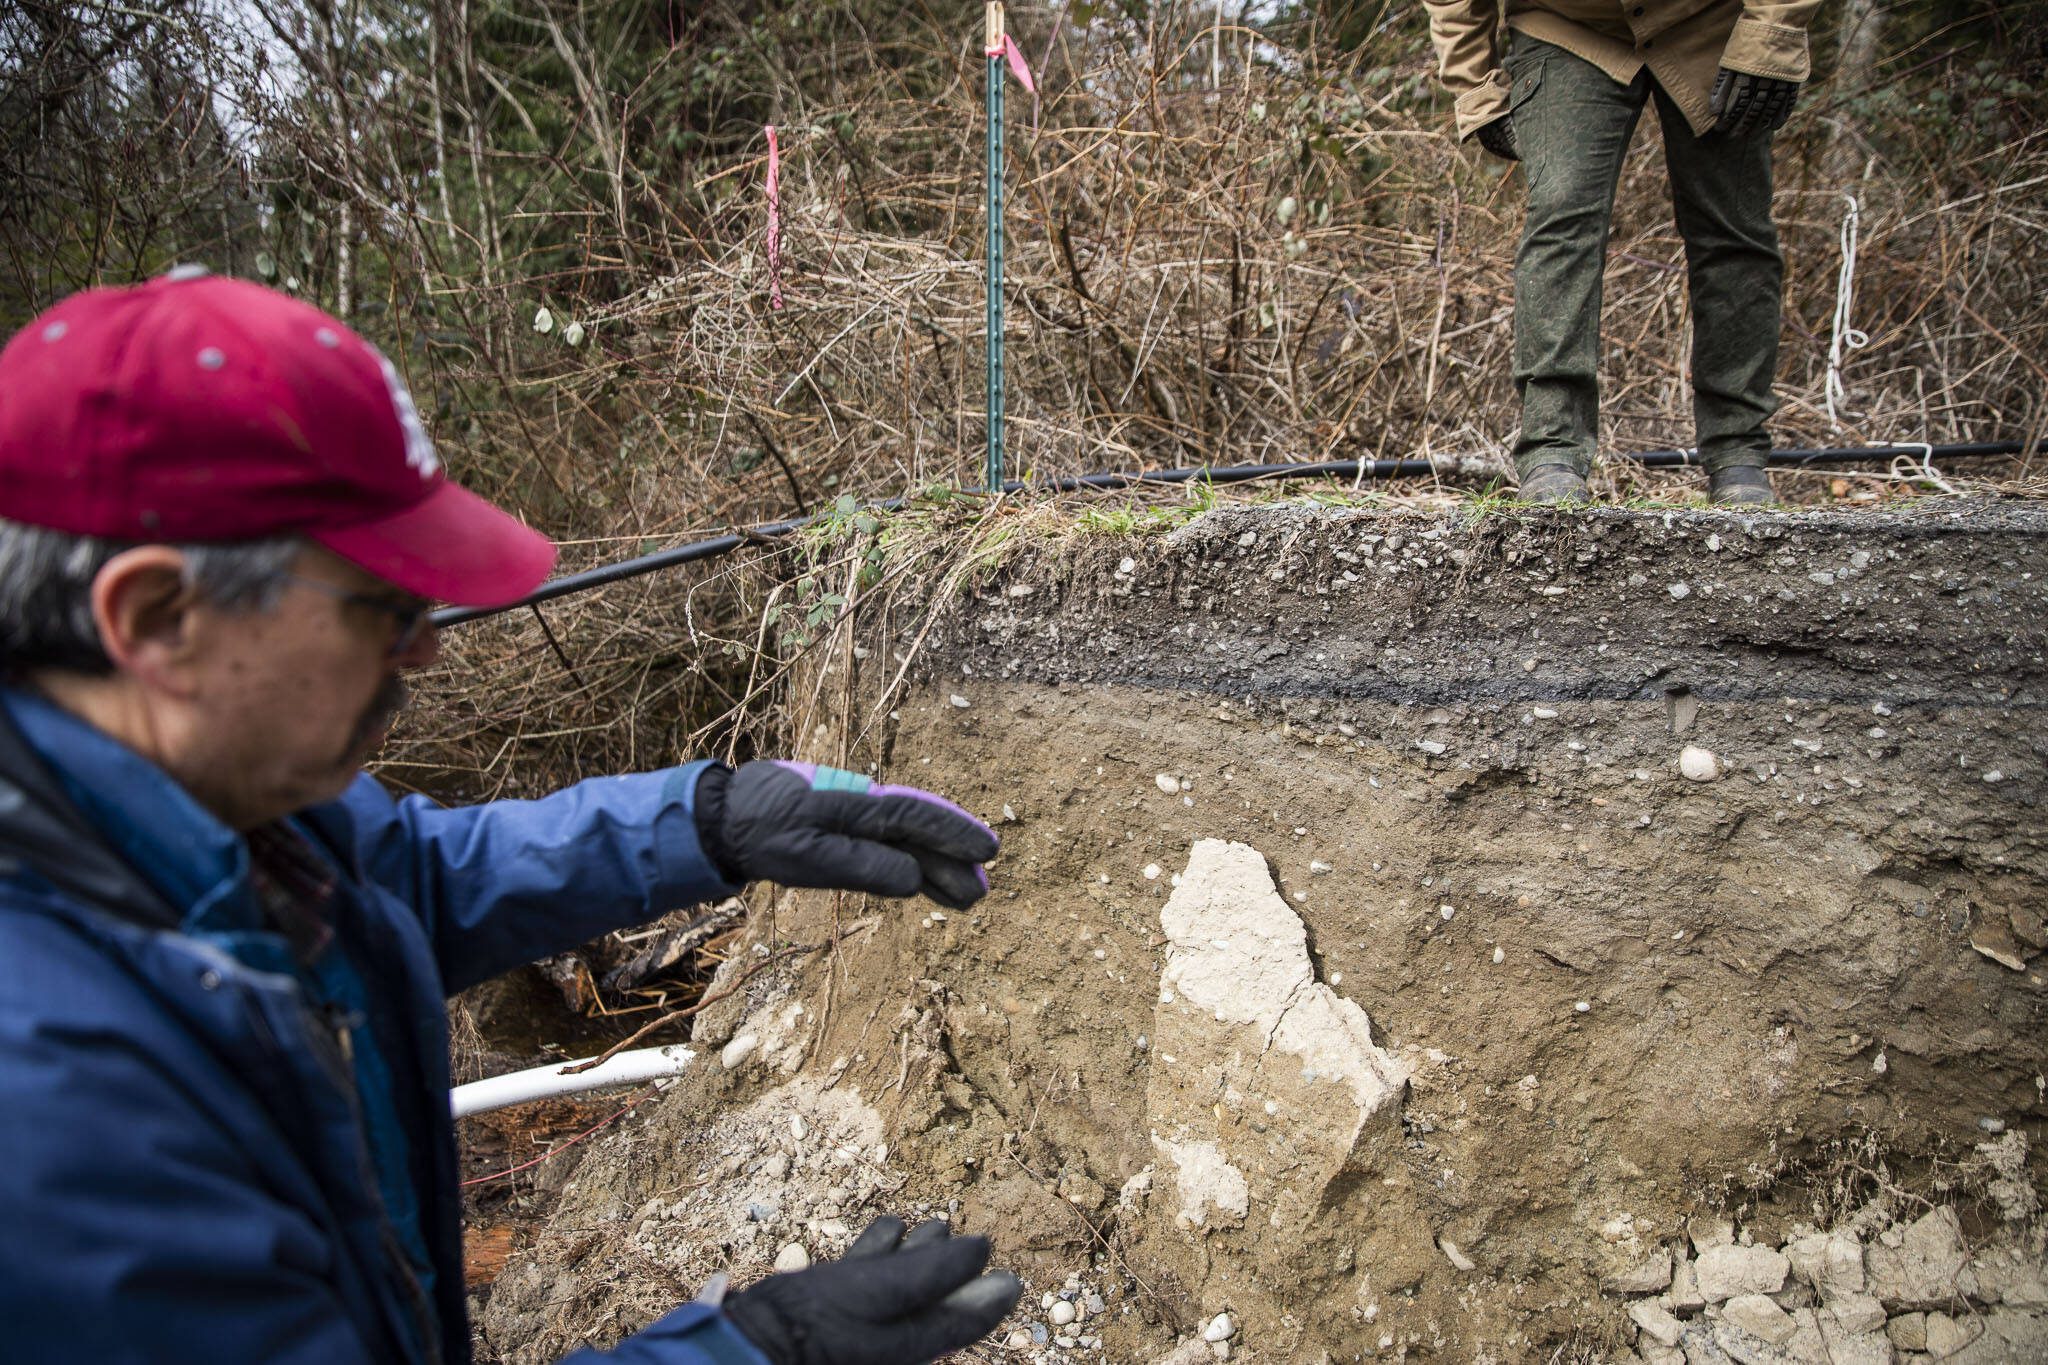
1246	473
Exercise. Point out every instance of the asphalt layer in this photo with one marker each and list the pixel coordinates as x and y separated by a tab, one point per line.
1947	606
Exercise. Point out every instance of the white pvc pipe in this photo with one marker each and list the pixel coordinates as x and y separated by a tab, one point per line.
542	1082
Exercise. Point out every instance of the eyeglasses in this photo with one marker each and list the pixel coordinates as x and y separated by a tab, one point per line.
412	615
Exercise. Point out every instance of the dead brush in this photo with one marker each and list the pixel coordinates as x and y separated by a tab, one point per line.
1215	255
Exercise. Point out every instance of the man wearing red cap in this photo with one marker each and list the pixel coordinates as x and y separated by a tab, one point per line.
224	949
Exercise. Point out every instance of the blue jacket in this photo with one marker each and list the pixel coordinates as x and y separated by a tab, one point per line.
185	1172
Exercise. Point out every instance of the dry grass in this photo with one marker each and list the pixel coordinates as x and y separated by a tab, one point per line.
1282	264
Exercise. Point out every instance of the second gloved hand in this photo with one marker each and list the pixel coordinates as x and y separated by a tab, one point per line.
803	825
892	1300
1744	105
1498	137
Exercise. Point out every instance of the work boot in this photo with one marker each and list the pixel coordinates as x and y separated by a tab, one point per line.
1740	485
1557	484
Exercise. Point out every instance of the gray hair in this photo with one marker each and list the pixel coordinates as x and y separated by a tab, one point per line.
46	590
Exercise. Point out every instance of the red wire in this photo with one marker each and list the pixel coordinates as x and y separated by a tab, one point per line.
557	1151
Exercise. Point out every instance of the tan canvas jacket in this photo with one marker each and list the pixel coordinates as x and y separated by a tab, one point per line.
1683	42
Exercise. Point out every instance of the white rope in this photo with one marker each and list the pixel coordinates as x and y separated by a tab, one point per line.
1843	337
1924	472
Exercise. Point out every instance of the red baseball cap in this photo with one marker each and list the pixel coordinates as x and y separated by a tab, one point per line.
195	408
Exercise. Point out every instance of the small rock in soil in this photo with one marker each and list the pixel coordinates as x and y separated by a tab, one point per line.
1655	1322
1921	1271
1857	1313
1646	1277
1947	1335
1908	1331
1993	937
1710	1232
1761	1318
1685	1288
1727	1271
1697	764
1833	1264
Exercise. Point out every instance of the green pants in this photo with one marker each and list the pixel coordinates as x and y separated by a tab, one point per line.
1572	124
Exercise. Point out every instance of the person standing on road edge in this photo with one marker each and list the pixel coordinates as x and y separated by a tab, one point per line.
225	950
1561	91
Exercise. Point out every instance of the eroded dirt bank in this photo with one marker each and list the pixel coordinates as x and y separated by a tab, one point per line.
1435	776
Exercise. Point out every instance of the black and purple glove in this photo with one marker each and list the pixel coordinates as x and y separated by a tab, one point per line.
803	825
891	1300
1498	137
1745	106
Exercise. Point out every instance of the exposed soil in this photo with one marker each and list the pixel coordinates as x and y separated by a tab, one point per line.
1605	997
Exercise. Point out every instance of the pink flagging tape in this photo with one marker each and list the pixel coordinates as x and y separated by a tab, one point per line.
1021	69
774	221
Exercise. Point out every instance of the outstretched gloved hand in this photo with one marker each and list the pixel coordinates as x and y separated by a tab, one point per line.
803	825
1744	105
892	1300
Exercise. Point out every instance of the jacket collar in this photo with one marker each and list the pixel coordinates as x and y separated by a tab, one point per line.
100	821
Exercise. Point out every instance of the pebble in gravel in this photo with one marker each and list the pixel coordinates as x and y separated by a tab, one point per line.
792	1257
1221	1328
1697	764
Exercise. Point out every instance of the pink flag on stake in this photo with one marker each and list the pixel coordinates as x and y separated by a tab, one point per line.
1021	69
774	221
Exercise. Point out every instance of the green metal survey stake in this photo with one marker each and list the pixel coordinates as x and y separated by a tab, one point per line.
992	49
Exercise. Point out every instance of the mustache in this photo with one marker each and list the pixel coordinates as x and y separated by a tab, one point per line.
391	698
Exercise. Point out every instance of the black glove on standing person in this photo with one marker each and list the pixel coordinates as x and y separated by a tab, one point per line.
803	825
1498	137
1744	105
891	1300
